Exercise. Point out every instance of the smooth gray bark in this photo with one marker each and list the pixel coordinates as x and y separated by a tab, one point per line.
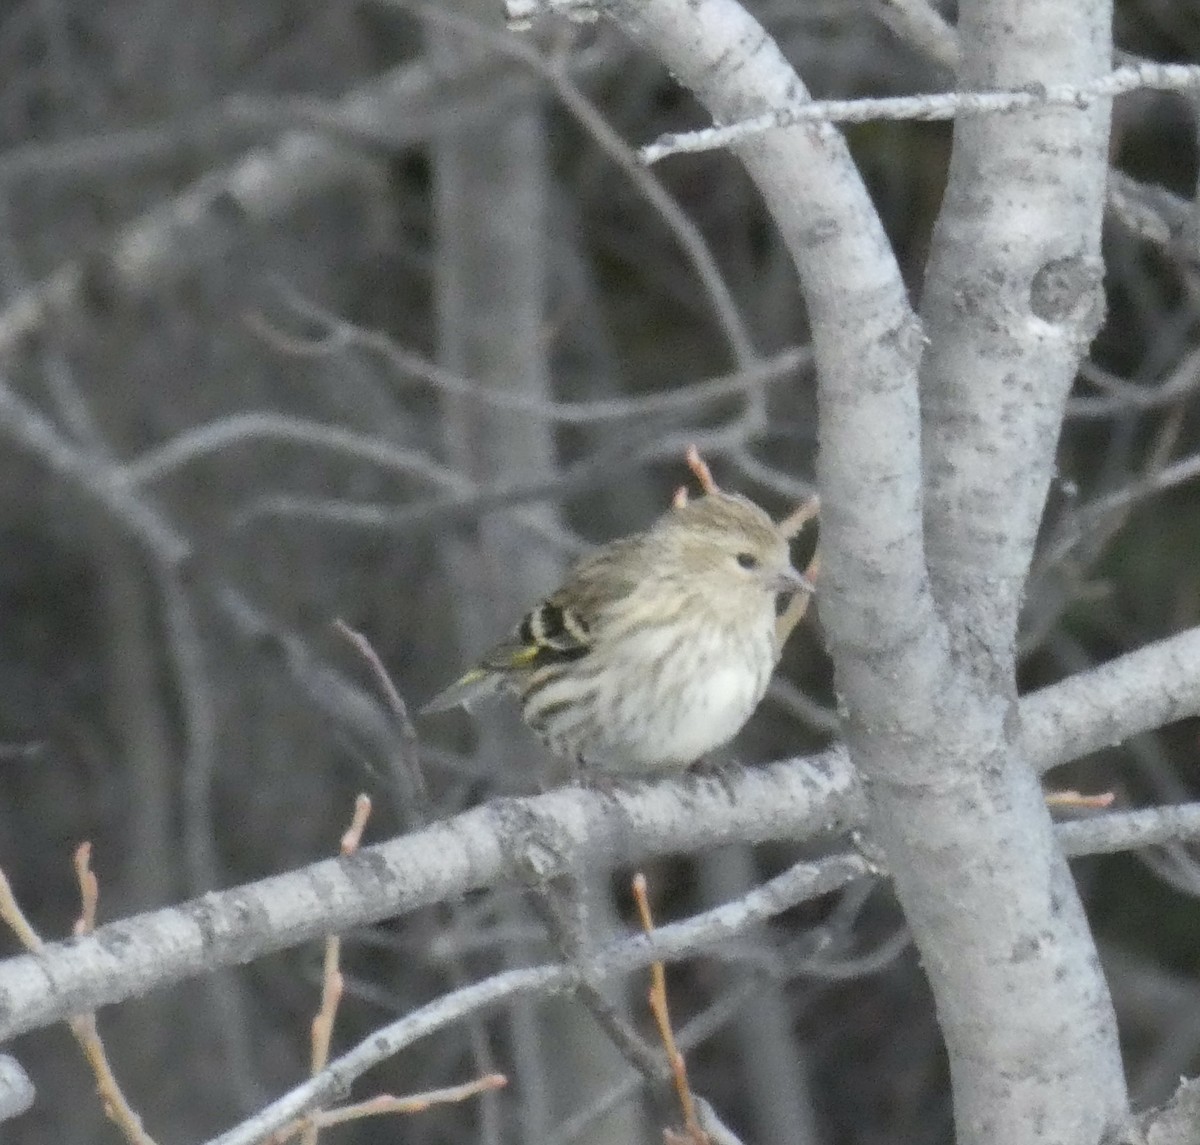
929	718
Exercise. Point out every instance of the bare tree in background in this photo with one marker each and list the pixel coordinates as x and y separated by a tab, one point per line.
374	313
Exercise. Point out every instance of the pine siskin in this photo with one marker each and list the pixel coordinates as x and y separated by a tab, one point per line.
657	647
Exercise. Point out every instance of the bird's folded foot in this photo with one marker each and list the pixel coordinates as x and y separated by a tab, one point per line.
724	771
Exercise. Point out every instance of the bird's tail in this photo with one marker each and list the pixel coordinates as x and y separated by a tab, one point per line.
476	684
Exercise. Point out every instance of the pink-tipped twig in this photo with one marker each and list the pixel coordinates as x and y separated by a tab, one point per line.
693	1133
700	468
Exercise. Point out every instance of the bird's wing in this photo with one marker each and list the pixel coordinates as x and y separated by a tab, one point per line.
569	621
562	627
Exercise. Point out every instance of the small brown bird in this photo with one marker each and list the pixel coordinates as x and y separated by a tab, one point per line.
657	647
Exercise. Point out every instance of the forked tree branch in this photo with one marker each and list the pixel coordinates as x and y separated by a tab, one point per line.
930	510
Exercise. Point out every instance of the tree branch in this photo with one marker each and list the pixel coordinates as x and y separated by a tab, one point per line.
929	693
683	939
563	830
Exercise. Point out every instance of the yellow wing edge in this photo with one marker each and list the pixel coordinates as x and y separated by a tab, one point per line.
479	682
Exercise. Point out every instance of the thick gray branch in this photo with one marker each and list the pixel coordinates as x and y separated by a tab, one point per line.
1149	688
792	800
502	842
1012	299
929	695
865	335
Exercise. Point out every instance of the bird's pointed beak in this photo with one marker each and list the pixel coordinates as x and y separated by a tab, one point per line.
789	580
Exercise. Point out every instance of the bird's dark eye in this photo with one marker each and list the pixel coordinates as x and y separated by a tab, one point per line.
747	560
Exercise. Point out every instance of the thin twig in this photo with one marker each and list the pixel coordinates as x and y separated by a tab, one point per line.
83	1026
567	932
799	883
930	107
386	1103
1076	800
343	335
332	983
415	806
662	1018
604	465
689	237
705	1025
416	811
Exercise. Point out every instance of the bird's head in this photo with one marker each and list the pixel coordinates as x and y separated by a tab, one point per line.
731	544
